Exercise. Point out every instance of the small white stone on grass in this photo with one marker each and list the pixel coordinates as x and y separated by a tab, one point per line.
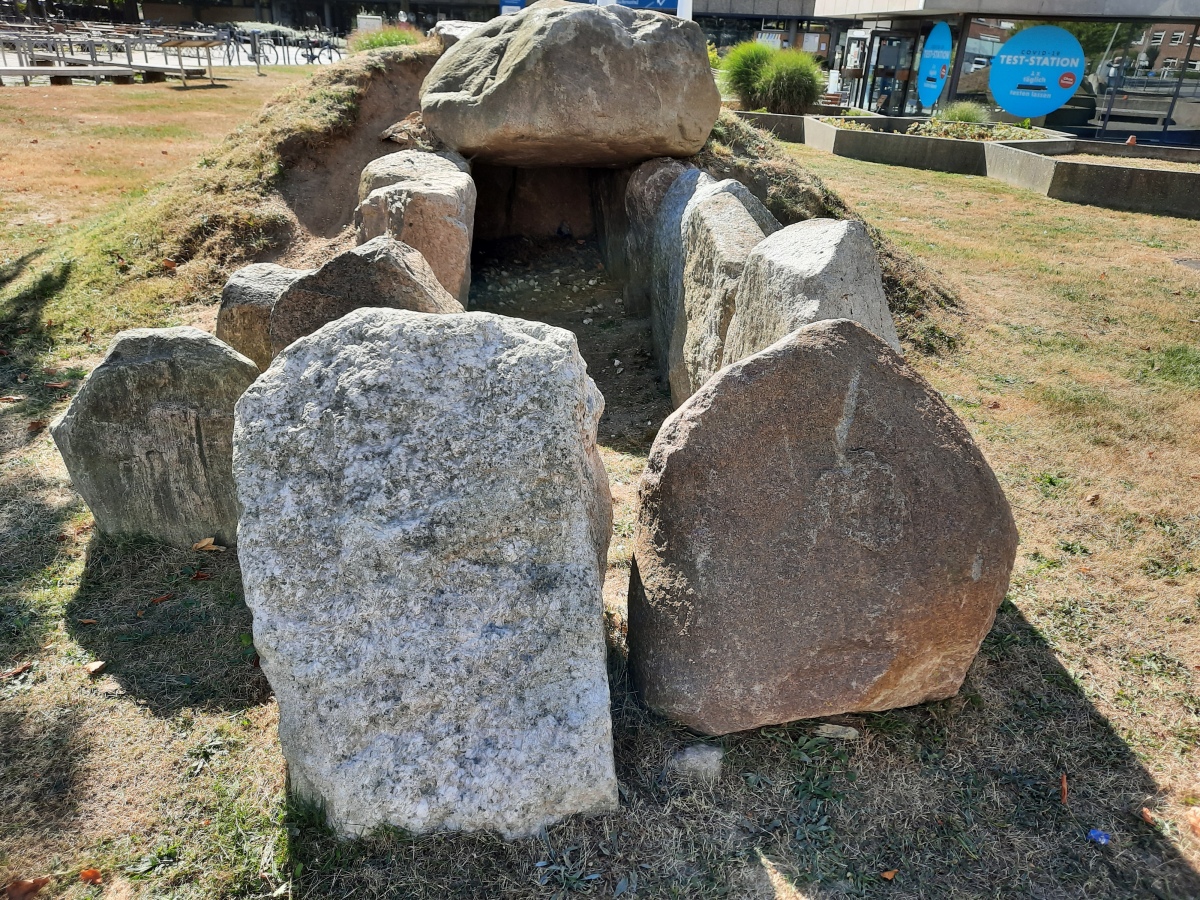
837	732
701	762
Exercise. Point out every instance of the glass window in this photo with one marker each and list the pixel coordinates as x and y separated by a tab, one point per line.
1157	38
1176	38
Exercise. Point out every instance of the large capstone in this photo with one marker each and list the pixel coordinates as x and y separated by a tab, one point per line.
721	225
852	562
813	270
423	539
571	84
264	307
427	201
148	438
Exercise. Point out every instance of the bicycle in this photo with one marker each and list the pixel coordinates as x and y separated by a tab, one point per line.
319	50
242	43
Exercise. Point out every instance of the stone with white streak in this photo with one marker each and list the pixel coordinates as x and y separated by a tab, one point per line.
426	200
813	270
817	534
148	438
423	538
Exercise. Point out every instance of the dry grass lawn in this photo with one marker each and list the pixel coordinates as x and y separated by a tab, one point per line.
1073	359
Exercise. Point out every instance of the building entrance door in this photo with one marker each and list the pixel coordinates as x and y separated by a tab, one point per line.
889	73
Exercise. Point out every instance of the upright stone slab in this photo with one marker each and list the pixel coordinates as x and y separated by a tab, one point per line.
852	562
721	225
426	200
648	184
264	308
666	262
423	539
148	438
572	84
813	270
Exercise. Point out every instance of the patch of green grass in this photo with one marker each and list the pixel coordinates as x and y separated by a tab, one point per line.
1179	364
1051	484
390	36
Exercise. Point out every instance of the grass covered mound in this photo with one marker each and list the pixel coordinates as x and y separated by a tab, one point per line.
738	150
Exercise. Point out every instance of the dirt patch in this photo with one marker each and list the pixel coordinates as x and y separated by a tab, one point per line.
1130	162
321	185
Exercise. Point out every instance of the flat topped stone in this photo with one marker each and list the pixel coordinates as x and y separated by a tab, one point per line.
424	529
570	84
265	307
148	437
813	270
425	200
817	533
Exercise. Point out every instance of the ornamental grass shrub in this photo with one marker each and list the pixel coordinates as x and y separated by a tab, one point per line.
790	82
964	111
391	36
741	69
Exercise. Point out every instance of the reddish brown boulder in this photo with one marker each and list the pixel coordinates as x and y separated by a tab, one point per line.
817	534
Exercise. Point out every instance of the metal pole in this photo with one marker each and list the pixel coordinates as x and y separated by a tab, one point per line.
964	25
254	49
1183	64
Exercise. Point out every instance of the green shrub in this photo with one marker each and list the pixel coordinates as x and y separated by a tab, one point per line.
964	111
714	61
790	82
390	36
742	67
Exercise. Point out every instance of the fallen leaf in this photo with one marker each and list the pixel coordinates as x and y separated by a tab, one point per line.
11	398
140	613
20	890
37	426
202	576
993	404
56	384
50	370
95	668
1063	789
889	874
87	621
170	264
163	599
1148	817
91	876
17	670
1092	499
201	544
23	377
1193	820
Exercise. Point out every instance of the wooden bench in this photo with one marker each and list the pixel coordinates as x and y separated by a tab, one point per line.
64	74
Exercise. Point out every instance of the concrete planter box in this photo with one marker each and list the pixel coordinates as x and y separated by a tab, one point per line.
888	144
1154	191
791	128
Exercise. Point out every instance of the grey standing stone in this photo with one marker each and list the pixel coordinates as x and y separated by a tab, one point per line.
852	562
148	438
666	262
571	84
423	539
382	272
426	200
244	318
648	184
721	225
813	270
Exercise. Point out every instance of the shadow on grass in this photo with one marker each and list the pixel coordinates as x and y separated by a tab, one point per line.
171	624
31	528
962	798
13	270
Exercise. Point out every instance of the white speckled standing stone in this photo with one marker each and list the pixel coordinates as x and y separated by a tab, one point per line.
424	529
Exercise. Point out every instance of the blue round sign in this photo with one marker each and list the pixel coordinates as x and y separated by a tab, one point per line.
935	64
1036	71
